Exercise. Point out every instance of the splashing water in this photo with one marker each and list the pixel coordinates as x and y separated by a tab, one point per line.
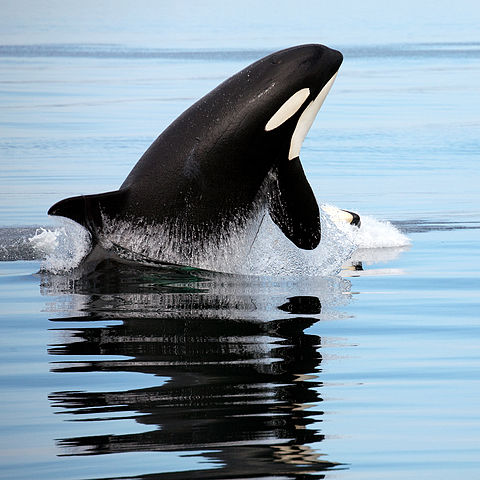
44	241
63	248
273	254
260	248
372	234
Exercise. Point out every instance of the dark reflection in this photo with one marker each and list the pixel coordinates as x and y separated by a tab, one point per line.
242	372
302	305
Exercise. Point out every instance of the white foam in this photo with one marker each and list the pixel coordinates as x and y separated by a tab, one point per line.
273	254
62	248
372	234
44	241
375	233
259	248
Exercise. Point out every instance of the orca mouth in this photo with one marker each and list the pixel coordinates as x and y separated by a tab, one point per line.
307	118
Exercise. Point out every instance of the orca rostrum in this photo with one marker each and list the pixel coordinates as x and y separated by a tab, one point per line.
233	153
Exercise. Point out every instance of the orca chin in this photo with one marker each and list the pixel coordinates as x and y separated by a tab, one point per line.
231	156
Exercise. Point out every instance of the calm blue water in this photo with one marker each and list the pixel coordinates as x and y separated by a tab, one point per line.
138	372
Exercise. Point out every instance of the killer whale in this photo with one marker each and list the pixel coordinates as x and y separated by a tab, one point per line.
232	153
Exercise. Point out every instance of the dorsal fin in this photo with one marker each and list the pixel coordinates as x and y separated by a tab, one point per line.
87	210
293	206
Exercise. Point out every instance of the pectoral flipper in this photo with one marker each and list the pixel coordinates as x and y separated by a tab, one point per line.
293	207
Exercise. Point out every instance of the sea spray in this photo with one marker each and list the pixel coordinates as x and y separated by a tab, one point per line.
62	248
372	234
45	241
379	234
273	254
256	248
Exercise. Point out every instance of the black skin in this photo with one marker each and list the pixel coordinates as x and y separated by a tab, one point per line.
216	164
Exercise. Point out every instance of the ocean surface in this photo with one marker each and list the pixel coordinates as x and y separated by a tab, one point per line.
359	360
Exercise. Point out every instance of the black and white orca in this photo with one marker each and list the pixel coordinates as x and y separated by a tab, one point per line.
232	153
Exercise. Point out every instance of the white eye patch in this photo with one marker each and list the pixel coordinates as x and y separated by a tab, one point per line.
306	119
288	109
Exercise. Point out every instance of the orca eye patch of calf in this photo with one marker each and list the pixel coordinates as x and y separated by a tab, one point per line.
288	109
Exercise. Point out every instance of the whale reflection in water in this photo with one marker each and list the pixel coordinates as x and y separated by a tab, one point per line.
243	375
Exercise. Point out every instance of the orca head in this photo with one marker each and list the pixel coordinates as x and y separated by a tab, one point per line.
304	77
274	101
